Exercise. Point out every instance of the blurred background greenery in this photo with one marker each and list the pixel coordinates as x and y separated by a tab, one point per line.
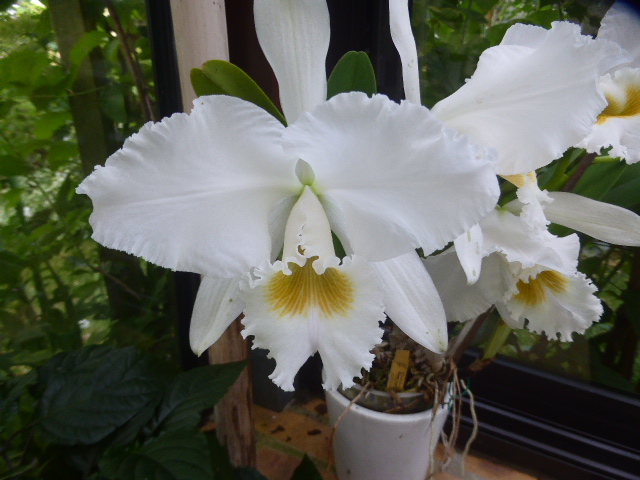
75	83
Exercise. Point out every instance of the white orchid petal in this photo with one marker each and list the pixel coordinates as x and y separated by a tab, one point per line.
600	220
402	36
567	307
343	325
216	306
194	192
294	35
533	202
621	24
618	126
392	177
470	249
461	301
411	300
530	102
508	234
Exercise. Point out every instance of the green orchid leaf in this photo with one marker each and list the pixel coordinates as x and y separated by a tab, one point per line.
217	77
599	179
193	391
306	470
182	454
353	73
89	393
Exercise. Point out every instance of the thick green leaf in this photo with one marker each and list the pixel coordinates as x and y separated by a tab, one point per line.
181	455
306	470
217	77
247	473
89	393
61	153
45	126
113	105
10	395
83	47
353	73
220	463
598	179
193	391
12	165
10	267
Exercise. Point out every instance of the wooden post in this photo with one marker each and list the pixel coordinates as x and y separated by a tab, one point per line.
201	34
200	30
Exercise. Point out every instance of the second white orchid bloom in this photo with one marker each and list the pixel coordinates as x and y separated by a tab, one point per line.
530	98
618	126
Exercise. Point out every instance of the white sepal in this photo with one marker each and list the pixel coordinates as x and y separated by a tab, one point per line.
461	301
600	220
402	37
294	36
411	300
217	305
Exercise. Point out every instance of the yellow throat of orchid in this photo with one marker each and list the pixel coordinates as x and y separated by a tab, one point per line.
534	292
330	293
627	105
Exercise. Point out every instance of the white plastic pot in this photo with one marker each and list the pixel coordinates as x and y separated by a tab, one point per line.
370	445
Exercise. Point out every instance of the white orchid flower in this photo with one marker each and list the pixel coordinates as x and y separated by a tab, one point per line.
530	277
536	209
530	98
223	190
618	126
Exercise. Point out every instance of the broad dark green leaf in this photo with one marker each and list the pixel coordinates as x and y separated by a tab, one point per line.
60	153
220	463
181	455
353	73
10	394
193	391
113	105
598	179
217	77
10	267
626	191
83	47
12	165
306	470
247	473
89	393
45	126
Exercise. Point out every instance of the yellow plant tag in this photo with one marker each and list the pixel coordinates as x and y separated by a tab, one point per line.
399	369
